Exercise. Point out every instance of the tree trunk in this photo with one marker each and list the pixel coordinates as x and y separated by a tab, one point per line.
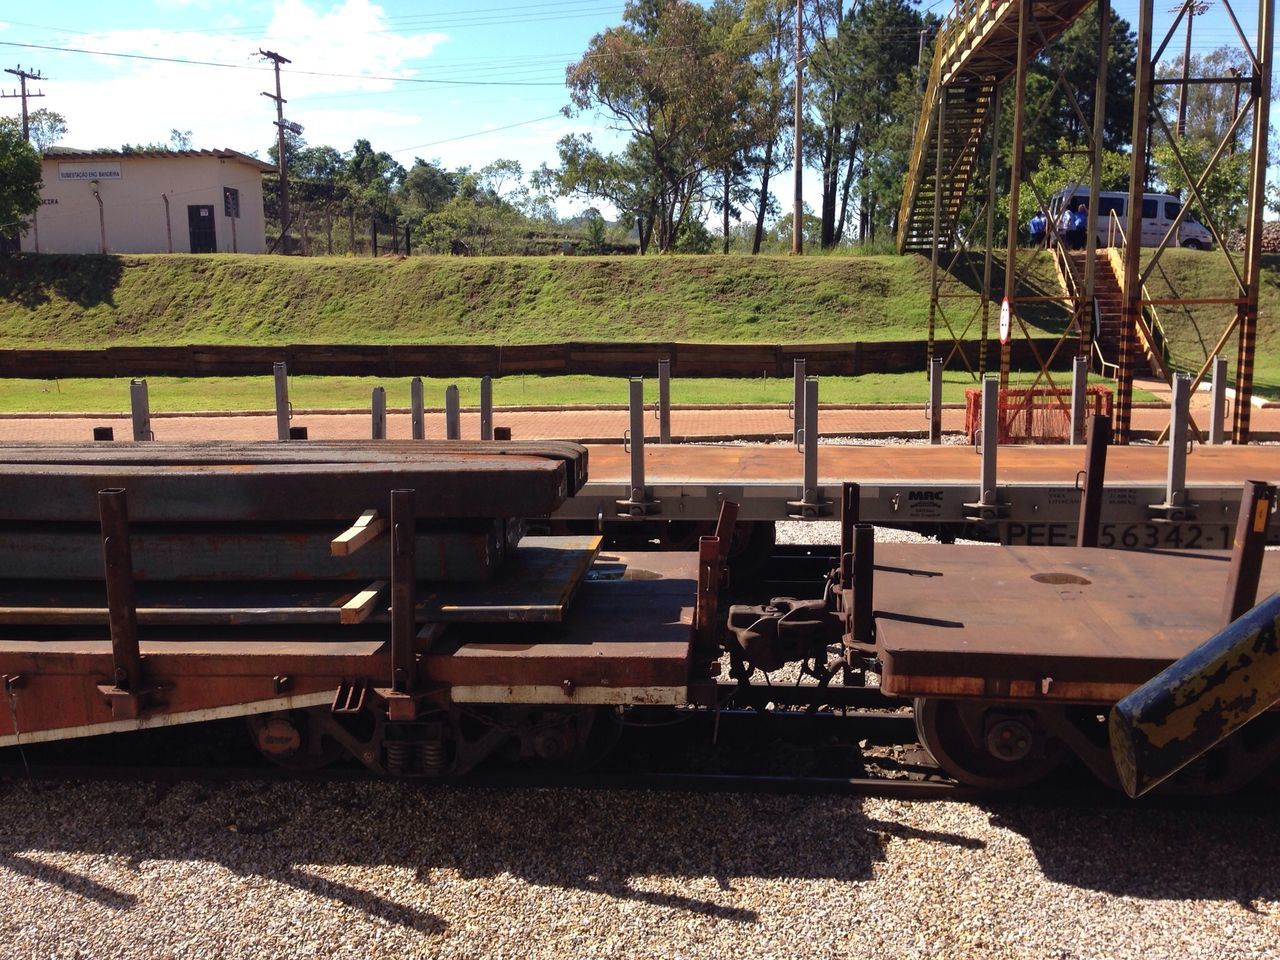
848	183
764	199
645	224
351	233
726	211
328	230
830	186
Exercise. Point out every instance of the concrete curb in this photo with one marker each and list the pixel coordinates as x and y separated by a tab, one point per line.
405	411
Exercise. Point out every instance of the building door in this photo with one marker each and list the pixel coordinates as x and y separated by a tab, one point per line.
200	222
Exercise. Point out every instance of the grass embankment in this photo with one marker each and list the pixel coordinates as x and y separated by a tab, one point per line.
1194	330
64	301
179	395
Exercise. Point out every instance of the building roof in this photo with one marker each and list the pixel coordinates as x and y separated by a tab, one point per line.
68	153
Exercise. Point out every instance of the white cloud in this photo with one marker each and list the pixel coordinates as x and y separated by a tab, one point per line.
140	101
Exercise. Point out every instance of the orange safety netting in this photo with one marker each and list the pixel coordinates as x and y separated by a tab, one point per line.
1041	415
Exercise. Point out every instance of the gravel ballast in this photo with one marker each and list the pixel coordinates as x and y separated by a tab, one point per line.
394	870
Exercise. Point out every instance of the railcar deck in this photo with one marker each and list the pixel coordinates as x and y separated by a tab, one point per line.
923	465
1042	624
932	485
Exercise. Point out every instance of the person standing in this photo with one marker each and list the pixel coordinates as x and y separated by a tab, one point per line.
1079	227
1037	227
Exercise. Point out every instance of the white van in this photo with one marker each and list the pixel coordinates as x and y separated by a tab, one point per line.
1158	212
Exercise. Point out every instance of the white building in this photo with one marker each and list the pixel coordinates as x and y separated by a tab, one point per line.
152	201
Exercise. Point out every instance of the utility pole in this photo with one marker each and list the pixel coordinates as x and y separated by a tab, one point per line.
281	126
921	83
797	229
23	76
1235	137
1194	8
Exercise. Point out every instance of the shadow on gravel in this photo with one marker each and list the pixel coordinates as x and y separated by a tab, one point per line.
1205	851
645	847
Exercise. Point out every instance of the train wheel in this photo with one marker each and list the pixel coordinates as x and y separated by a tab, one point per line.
291	740
986	747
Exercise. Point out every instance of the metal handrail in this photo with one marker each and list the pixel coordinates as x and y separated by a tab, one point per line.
1152	334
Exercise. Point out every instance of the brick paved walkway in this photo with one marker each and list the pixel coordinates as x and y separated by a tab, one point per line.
601	426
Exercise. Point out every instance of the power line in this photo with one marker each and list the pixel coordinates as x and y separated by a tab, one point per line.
306	73
472	16
477	133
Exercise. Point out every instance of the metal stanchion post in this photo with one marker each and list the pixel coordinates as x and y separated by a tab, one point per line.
1218	403
283	415
486	408
379	407
935	400
417	409
1079	392
141	407
664	401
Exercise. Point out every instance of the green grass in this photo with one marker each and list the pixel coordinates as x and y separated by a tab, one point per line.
1194	330
176	394
84	301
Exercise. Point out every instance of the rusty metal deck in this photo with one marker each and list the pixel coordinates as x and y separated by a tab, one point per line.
625	639
923	465
1042	623
535	585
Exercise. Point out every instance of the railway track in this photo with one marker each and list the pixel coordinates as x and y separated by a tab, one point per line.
792	739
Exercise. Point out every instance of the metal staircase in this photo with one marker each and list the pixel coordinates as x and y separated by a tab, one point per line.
977	49
966	110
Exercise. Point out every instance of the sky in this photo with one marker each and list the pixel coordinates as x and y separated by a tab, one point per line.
451	81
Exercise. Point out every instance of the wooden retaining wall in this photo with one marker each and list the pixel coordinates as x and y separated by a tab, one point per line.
463	360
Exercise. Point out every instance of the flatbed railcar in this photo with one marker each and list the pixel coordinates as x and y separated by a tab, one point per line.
383	603
927	489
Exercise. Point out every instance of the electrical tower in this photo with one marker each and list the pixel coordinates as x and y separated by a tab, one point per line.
23	76
282	125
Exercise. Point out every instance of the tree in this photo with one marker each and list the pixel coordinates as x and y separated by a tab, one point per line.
47	128
879	49
859	58
766	29
594	235
1211	107
1225	191
1069	168
1211	110
19	180
621	179
428	186
375	178
179	139
825	89
663	80
1075	53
